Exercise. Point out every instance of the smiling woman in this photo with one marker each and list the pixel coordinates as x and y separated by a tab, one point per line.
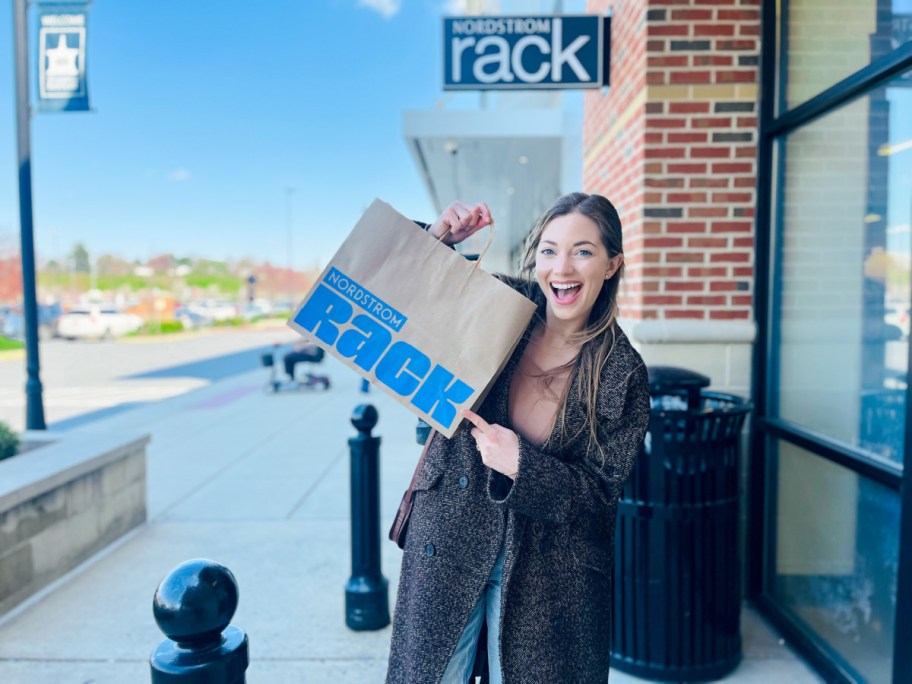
513	518
571	266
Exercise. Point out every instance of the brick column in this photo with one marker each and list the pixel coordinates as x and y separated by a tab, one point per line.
673	144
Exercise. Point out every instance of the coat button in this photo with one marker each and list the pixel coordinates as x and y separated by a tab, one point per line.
463	482
429	550
558	624
544	546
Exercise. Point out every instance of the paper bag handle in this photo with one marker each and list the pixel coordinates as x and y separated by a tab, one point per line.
483	252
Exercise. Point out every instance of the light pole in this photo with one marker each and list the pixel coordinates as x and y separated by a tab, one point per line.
289	249
34	406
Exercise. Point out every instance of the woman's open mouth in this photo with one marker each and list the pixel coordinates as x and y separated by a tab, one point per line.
566	293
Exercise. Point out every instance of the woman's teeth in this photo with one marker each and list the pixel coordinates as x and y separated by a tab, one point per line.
565	291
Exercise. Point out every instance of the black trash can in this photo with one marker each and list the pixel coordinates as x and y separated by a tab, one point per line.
676	577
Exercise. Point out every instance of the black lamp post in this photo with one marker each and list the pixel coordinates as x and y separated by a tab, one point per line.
34	411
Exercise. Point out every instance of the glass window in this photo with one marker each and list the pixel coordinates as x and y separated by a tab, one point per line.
845	203
835	561
828	40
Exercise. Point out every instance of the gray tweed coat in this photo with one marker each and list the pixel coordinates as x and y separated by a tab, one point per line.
557	520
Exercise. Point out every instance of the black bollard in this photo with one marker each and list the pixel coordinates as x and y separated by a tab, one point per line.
367	591
193	606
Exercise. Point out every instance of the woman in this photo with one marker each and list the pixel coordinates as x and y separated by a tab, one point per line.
514	516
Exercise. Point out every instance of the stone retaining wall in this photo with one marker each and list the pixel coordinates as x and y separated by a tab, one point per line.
64	499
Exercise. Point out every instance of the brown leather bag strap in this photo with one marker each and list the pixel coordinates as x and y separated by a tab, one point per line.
399	527
427	445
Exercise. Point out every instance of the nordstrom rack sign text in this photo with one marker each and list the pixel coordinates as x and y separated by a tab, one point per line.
526	52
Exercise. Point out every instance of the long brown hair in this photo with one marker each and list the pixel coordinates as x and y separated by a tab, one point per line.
596	344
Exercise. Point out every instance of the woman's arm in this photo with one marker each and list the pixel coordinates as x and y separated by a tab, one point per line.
547	488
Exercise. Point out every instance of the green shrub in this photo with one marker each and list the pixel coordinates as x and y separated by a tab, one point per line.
234	322
9	442
162	328
273	316
171	327
6	344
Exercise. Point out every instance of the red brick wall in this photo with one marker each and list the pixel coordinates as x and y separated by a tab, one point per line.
688	190
614	137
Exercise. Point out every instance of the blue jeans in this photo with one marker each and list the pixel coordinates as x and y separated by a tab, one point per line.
488	606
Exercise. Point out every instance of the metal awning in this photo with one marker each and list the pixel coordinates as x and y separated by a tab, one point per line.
516	160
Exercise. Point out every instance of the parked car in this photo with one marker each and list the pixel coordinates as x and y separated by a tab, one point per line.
95	322
215	310
12	321
898	315
190	319
255	310
48	315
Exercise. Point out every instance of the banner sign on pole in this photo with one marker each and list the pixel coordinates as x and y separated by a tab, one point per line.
526	52
901	33
900	29
62	84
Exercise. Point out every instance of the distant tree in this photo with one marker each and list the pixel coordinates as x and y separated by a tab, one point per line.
210	267
80	258
244	267
112	265
161	263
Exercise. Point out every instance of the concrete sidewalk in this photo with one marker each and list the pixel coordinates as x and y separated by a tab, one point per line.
259	482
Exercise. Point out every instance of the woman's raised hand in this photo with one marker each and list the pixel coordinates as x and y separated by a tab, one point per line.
498	446
460	220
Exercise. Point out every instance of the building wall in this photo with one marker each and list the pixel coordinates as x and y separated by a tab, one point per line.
826	41
673	142
614	136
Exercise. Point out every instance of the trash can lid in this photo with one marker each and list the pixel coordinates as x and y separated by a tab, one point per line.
663	379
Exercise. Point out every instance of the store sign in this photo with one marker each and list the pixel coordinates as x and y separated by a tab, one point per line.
62	82
526	52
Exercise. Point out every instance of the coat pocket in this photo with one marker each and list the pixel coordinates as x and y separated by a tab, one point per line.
593	554
428	476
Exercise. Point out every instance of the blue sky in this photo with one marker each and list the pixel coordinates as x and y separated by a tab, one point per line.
206	112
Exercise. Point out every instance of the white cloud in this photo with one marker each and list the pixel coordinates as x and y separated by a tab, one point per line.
455	7
387	8
179	175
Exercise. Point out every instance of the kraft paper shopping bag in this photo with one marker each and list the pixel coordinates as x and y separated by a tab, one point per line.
408	313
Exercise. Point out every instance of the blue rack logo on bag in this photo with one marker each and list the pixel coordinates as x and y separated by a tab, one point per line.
360	326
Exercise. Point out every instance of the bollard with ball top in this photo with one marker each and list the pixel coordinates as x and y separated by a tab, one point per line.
193	606
367	591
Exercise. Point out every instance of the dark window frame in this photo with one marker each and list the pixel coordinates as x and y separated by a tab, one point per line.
774	124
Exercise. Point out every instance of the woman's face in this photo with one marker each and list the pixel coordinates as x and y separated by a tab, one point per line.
571	266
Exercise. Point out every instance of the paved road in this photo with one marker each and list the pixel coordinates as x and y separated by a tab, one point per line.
84	381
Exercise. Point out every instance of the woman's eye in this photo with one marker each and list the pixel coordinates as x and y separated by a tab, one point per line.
547	251
584	252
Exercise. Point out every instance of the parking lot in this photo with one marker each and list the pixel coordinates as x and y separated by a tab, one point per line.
90	379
